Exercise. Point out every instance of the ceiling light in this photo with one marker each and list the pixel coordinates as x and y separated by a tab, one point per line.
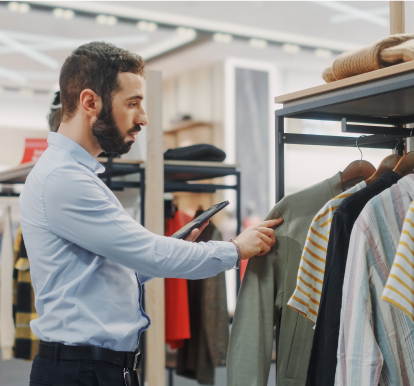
291	48
68	14
24	7
222	38
258	43
323	53
111	20
101	19
185	31
142	25
58	13
147	26
151	26
13	6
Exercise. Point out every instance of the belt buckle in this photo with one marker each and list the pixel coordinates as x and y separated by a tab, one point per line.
136	360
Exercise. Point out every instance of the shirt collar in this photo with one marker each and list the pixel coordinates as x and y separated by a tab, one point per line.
76	151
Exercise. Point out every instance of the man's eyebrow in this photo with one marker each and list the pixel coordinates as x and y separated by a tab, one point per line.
135	97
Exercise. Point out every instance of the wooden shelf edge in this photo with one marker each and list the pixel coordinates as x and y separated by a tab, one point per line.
348	82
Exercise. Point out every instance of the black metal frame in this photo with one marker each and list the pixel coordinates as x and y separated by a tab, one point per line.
385	101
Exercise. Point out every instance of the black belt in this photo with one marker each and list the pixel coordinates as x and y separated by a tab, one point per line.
58	351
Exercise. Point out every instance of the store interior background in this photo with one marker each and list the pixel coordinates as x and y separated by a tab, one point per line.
222	64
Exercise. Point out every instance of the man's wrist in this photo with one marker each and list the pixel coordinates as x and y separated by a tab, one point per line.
238	263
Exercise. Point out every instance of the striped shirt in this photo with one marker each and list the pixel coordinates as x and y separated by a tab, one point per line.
376	340
307	295
399	290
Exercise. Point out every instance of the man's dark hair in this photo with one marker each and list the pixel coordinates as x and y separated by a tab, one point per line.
95	66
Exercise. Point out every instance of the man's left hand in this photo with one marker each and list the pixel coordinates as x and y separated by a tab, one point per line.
196	232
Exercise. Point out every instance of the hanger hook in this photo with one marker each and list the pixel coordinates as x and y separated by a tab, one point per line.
358	146
398	142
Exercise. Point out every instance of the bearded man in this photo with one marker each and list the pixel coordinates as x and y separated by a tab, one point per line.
88	257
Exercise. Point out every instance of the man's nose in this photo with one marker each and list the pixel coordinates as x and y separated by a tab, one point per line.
142	118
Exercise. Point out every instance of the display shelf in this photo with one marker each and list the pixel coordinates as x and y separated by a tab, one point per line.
342	84
384	100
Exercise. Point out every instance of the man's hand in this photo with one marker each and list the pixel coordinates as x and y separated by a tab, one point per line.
196	232
256	240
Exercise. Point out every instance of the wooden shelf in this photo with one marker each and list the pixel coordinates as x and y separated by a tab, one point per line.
348	82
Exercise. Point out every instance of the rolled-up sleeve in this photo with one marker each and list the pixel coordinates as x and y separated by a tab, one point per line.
78	210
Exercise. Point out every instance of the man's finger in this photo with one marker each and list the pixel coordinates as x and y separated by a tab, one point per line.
267	231
266	239
264	249
203	225
271	223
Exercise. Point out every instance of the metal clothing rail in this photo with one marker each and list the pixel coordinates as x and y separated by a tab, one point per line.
384	101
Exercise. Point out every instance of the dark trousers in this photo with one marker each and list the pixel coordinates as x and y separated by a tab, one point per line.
48	372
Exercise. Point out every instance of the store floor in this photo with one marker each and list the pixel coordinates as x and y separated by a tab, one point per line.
16	373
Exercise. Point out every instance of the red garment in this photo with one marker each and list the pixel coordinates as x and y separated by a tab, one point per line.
177	313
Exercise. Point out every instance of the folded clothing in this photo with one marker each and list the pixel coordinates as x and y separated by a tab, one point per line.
202	152
386	52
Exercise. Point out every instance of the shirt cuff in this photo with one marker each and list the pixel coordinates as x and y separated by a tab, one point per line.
228	254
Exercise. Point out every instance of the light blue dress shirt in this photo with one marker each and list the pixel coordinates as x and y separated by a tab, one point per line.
89	258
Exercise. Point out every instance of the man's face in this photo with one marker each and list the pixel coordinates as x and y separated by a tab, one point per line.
115	129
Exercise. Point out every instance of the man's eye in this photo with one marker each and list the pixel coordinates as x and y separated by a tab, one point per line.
133	104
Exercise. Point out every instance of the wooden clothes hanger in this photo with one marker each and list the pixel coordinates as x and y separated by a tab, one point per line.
406	165
388	163
356	171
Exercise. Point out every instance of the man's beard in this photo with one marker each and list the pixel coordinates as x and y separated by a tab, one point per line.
109	137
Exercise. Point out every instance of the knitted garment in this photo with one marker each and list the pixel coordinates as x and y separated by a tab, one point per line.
386	52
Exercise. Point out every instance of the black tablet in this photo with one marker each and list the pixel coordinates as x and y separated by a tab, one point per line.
198	221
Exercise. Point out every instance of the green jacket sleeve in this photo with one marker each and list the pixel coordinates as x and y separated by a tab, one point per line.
258	309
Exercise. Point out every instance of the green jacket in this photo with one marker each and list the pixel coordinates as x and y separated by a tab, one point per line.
267	285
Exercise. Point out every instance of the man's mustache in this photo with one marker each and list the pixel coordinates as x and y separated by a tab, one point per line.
135	129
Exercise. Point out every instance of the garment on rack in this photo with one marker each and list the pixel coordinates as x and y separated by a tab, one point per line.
386	52
309	283
24	311
399	290
201	152
177	314
376	340
322	364
268	284
209	320
6	286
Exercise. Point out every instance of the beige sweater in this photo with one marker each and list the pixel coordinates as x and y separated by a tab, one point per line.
386	52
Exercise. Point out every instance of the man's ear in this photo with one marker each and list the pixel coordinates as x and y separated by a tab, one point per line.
90	104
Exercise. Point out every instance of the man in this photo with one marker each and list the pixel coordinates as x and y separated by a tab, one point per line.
88	258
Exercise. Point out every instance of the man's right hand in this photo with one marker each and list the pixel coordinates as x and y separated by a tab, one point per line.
256	240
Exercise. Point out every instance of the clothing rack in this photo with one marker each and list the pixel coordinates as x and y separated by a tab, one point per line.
382	97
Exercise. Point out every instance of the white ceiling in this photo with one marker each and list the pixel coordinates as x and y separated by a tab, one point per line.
33	45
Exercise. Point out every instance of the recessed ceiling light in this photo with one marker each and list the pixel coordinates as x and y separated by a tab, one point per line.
258	43
111	20
142	25
58	13
222	38
184	31
101	19
24	7
13	6
291	48
68	14
151	26
323	53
